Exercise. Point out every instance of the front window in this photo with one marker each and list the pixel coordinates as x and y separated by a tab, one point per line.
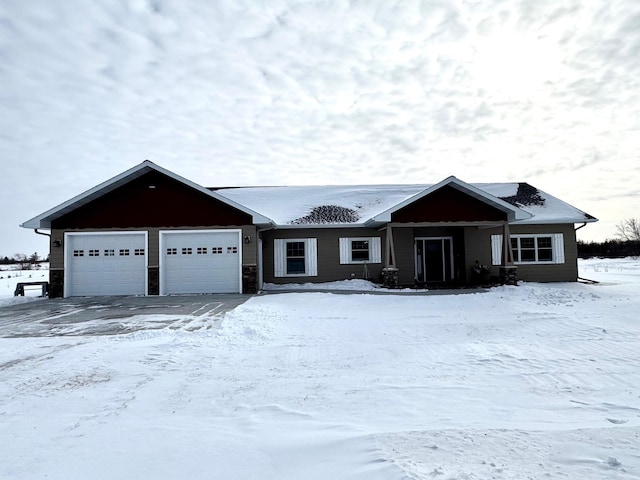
359	250
532	249
295	258
354	250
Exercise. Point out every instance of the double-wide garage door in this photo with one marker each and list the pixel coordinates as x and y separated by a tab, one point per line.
115	263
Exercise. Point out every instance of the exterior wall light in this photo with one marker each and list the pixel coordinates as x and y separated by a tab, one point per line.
247	239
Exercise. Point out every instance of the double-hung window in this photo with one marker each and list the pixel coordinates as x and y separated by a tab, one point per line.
296	257
530	249
295	264
360	250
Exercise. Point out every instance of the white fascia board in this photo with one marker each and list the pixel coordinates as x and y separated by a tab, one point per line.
513	213
553	221
44	220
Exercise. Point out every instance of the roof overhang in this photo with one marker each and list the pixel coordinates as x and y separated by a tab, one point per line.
513	213
556	221
44	219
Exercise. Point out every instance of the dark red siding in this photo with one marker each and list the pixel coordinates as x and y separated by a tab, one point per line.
448	204
169	204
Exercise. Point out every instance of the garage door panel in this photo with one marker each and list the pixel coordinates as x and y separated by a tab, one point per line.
200	262
106	264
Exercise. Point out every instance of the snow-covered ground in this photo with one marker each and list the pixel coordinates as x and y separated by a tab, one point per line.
10	276
528	382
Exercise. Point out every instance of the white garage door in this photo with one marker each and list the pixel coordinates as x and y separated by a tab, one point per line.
105	264
200	261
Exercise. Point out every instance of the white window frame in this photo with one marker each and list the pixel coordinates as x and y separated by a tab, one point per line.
346	250
310	257
557	248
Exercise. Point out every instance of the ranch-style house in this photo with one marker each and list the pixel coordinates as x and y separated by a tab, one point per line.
149	231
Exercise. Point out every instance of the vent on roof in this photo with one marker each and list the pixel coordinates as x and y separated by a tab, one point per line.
526	195
328	214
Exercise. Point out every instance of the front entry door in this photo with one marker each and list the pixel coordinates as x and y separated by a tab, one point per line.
434	259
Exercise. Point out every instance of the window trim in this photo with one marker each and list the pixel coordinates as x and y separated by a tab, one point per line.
310	257
557	248
346	250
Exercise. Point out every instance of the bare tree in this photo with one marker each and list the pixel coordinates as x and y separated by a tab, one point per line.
629	229
22	260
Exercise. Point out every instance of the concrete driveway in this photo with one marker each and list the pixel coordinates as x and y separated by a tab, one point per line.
114	315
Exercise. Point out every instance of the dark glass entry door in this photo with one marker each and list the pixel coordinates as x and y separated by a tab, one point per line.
434	260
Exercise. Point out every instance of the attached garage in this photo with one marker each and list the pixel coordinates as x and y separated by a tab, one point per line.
99	263
200	261
114	238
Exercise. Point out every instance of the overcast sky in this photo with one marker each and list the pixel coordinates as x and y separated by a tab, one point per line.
284	92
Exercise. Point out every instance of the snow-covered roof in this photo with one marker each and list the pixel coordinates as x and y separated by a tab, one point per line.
346	205
44	219
360	204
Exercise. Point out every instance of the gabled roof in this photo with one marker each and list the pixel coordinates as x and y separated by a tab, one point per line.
342	206
513	213
360	205
44	220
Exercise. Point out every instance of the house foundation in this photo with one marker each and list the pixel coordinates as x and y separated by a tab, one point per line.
509	275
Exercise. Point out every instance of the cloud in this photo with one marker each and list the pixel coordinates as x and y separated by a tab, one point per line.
291	92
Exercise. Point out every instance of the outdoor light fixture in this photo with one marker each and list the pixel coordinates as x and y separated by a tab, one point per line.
247	239
57	242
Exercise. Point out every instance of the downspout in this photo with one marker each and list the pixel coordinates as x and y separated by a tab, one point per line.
49	234
580	279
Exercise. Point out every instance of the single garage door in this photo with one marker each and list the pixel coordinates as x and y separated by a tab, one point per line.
105	264
200	261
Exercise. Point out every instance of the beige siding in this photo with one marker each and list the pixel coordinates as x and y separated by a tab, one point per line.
477	244
329	267
471	244
56	254
250	250
565	272
478	247
405	255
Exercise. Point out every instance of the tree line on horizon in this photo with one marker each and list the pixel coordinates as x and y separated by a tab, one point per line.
626	243
25	261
